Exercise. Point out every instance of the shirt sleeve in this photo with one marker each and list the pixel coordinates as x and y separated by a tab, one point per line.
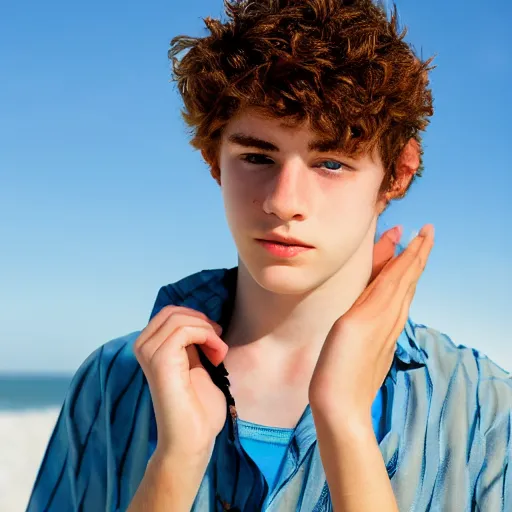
493	488
72	475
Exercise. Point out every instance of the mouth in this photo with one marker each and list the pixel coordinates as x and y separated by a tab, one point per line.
279	248
284	241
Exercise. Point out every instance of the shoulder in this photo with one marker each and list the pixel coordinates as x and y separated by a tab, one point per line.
103	376
460	366
102	404
116	358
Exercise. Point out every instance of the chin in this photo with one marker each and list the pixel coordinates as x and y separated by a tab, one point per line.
285	279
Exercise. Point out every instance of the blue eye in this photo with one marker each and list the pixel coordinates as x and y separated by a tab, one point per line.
332	165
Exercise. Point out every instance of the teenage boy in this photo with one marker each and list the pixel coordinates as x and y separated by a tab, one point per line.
309	114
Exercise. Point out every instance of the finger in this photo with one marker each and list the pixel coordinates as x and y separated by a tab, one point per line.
173	349
193	357
172	319
390	288
418	260
410	283
426	234
403	315
384	249
398	267
173	322
215	356
163	315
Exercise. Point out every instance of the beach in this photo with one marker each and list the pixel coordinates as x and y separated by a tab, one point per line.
23	439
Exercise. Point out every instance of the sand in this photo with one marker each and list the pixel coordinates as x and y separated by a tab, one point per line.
23	439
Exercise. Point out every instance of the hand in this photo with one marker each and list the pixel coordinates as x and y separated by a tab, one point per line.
190	409
384	250
359	349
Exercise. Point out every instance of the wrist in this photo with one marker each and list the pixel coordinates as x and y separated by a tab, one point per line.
186	463
354	466
179	472
170	482
349	423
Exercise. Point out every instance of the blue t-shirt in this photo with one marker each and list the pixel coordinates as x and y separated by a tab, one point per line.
267	445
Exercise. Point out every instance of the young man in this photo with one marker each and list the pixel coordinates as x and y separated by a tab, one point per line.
309	114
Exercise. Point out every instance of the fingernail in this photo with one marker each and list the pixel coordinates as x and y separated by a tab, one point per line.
396	234
425	230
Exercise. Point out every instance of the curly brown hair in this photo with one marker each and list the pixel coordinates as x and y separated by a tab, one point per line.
341	65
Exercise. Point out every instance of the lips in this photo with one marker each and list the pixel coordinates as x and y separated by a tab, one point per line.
287	241
282	250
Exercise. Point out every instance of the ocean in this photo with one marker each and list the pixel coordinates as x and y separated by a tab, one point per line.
32	392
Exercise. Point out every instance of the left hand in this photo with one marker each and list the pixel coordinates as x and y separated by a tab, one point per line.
359	349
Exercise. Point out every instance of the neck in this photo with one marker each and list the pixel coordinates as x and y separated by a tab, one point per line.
300	323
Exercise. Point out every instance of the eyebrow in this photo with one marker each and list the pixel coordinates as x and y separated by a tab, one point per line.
248	141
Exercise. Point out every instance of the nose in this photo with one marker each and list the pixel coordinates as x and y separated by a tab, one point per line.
286	194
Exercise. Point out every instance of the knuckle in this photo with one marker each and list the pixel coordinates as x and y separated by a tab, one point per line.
181	330
142	353
192	311
168	310
185	332
138	344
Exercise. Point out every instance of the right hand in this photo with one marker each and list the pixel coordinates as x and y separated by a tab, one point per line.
190	410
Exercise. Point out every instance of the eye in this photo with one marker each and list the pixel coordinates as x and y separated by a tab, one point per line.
332	165
256	159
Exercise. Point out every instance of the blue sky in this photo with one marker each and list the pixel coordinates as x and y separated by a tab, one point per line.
102	201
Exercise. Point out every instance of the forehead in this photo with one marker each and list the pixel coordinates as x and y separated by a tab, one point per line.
286	133
258	120
280	133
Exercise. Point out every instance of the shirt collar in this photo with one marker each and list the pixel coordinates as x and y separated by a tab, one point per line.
408	350
212	292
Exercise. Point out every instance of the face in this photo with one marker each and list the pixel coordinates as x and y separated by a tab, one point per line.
282	182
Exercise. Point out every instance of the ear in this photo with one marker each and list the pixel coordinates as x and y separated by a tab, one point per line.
406	167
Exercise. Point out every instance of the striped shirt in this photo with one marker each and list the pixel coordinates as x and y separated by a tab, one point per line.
446	427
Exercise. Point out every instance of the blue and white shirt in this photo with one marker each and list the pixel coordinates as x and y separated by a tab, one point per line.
446	429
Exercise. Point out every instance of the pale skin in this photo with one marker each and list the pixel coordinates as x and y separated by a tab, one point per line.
329	319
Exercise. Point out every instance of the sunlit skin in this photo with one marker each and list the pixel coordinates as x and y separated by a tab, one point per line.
325	199
285	307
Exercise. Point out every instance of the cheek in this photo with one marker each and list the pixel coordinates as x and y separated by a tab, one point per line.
350	199
347	211
238	195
